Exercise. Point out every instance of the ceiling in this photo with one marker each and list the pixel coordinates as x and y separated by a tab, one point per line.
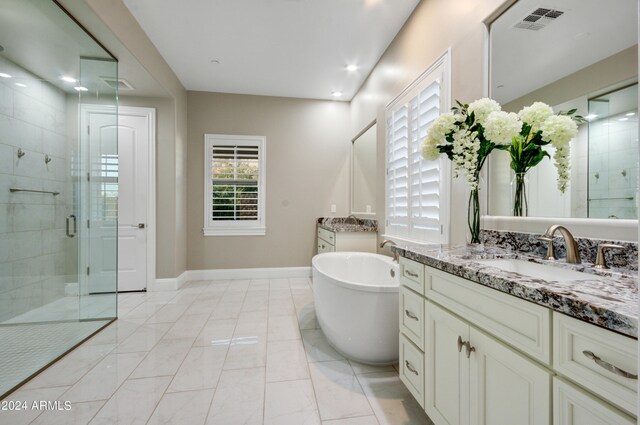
289	48
523	60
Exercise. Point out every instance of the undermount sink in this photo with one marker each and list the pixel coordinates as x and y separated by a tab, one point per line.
538	271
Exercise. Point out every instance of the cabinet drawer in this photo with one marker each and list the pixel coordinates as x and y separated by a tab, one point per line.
324	246
574	345
412	274
412	316
412	368
521	324
573	406
327	235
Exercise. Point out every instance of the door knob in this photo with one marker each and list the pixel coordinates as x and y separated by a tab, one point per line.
140	225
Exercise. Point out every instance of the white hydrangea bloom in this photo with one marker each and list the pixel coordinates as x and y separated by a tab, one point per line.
482	108
535	115
436	135
559	130
500	127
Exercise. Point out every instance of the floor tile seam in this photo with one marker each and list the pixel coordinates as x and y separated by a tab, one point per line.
365	395
266	362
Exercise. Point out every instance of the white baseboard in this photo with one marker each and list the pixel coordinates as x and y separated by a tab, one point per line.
172	284
169	284
264	273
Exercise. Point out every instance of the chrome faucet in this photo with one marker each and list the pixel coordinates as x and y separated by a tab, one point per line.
396	256
573	254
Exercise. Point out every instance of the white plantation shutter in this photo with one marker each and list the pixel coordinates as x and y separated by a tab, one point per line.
417	191
234	185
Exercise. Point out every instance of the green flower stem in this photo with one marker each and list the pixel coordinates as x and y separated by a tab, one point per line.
520	205
473	215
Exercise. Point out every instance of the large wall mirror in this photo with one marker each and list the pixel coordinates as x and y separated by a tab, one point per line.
363	172
571	54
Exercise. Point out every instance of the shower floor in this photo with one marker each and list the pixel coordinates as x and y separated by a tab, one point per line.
32	340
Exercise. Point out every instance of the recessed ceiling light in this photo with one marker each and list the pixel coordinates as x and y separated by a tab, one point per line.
336	93
590	117
3	75
630	114
68	79
500	86
351	68
81	88
215	61
21	85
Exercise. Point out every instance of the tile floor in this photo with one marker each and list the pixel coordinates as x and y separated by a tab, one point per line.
216	352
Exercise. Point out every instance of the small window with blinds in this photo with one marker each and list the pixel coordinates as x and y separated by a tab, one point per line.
234	185
417	191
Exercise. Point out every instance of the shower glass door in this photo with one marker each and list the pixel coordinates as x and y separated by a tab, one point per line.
58	189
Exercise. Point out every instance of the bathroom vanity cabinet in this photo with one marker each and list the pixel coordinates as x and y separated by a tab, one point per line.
331	241
474	355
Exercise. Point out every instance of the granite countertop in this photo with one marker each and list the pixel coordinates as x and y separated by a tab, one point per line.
609	300
348	224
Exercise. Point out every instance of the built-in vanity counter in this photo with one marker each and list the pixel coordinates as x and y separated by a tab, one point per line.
493	336
346	234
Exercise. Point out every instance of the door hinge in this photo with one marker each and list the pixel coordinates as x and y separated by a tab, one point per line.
441	229
88	130
88	224
88	270
88	177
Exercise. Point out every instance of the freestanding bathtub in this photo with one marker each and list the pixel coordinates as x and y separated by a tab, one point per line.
356	301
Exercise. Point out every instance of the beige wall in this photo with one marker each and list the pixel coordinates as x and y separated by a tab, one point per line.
617	68
109	18
434	26
307	170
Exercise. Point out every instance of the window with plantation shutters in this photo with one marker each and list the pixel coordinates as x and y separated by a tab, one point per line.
234	185
417	190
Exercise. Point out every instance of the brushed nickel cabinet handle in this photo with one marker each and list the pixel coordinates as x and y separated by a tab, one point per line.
470	349
410	273
411	369
608	366
410	315
461	344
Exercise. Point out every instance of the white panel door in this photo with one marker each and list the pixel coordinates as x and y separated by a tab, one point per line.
133	166
447	368
130	166
505	387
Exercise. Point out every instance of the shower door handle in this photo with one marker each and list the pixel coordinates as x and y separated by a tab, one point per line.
69	218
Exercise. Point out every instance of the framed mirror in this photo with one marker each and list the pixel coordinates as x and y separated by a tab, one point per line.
363	171
571	54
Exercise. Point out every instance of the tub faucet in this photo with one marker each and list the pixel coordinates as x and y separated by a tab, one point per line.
573	254
396	256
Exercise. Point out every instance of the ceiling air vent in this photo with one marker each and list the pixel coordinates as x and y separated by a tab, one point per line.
120	83
538	19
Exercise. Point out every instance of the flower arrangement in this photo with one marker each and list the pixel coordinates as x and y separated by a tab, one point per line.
469	133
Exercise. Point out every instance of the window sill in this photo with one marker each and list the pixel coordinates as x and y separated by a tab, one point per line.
249	231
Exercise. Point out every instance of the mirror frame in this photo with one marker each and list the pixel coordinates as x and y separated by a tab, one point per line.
353	141
610	229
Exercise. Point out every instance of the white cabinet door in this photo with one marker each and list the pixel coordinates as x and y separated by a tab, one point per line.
447	369
505	387
572	406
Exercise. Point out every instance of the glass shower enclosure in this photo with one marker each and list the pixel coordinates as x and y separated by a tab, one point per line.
58	187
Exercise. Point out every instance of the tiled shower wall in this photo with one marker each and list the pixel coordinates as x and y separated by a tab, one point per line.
32	226
613	167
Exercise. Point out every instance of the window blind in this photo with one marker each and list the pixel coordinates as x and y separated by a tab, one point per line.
417	198
234	194
235	172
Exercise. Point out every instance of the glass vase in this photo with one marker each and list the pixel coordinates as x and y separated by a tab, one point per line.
476	207
519	194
